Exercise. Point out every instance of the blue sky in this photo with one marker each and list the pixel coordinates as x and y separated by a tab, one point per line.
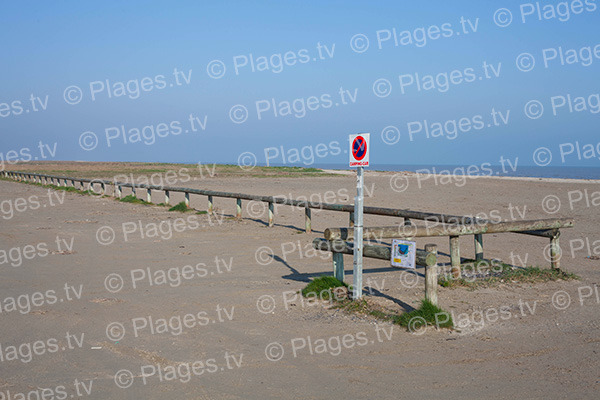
49	47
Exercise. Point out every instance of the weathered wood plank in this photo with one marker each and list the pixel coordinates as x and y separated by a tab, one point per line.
404	231
371	251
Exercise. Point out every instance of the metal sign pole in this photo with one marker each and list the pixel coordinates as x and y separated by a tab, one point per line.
358	235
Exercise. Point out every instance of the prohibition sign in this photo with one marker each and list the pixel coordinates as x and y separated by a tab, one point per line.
359	148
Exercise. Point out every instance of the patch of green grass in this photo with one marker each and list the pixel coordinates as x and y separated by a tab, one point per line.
427	314
487	273
67	189
202	212
181	207
424	315
71	189
322	287
537	274
132	199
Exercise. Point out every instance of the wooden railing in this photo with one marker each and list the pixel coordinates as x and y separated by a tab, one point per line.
451	225
426	258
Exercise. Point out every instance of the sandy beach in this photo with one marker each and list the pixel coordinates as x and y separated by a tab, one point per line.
187	306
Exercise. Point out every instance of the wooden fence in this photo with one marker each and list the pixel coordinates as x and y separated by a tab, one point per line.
544	227
463	225
426	258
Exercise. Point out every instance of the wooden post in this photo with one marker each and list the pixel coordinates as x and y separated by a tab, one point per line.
119	191
455	256
351	219
238	209
271	213
431	277
102	186
149	195
307	221
407	222
133	190
211	206
167	197
478	247
554	253
338	266
187	199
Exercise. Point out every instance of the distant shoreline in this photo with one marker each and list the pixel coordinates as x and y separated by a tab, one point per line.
561	174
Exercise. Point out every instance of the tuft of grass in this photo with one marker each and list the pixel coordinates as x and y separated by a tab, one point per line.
484	273
181	207
322	287
537	274
202	212
414	320
427	314
67	188
132	199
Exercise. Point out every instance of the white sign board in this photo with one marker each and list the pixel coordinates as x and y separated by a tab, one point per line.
359	150
403	253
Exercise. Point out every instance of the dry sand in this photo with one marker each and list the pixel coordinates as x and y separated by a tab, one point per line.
535	352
